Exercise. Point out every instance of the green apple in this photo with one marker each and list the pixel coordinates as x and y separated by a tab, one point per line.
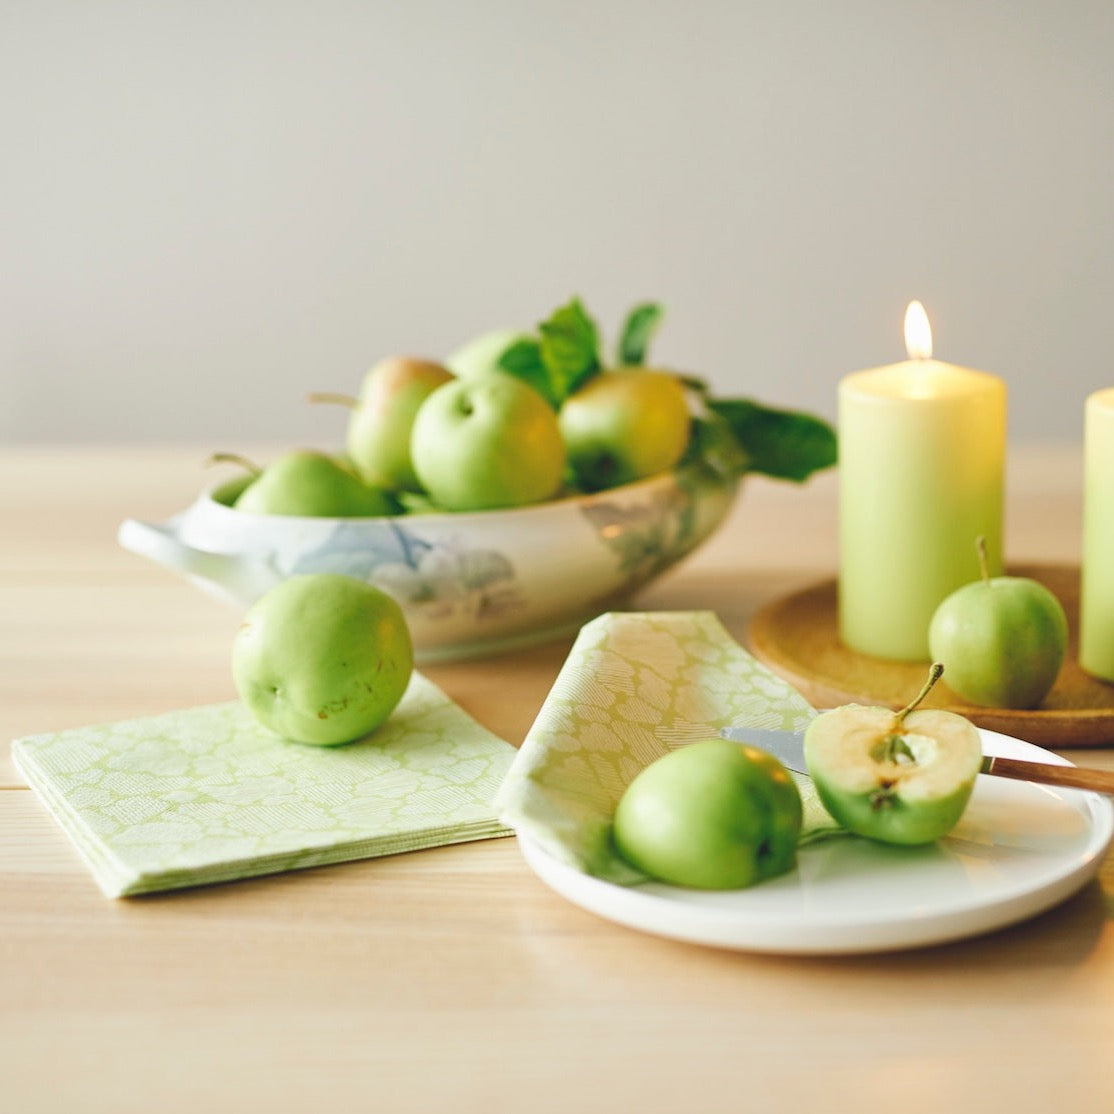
379	427
231	490
322	658
897	777
481	354
1002	640
487	441
625	425
713	815
314	484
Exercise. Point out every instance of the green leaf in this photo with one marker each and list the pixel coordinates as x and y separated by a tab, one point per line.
569	349
696	384
641	324
523	360
714	443
784	444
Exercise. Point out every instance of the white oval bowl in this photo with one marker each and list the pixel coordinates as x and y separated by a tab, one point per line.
469	583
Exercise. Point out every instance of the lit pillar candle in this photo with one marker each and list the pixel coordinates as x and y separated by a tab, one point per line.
921	462
1096	607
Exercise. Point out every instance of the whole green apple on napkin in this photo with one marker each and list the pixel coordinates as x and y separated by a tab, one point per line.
635	686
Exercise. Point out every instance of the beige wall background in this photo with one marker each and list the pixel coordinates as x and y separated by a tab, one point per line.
209	209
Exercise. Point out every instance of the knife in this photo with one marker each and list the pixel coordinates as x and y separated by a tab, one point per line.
788	747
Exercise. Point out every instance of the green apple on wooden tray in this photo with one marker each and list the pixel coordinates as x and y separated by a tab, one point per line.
797	636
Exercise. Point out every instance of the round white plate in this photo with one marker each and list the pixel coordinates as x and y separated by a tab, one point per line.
1019	849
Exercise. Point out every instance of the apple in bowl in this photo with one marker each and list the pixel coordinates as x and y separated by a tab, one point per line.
508	530
469	583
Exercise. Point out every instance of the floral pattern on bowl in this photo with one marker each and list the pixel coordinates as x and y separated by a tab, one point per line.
469	583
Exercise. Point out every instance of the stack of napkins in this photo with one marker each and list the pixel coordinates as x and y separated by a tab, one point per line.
634	686
206	795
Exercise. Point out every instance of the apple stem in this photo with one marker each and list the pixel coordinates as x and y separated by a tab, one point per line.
984	564
934	675
892	747
234	458
337	399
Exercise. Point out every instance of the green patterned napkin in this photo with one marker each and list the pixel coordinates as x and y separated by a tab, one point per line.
634	686
206	795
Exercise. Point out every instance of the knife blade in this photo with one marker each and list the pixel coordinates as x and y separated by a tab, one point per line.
788	747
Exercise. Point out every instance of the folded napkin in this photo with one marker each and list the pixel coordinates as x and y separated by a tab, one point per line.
634	686
206	795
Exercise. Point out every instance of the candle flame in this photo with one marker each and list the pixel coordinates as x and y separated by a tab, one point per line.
918	332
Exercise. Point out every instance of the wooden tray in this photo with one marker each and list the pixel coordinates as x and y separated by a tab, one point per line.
798	637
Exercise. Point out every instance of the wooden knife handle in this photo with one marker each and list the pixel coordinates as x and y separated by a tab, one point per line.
1101	781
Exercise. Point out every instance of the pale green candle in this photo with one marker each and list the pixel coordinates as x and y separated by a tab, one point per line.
1096	606
921	462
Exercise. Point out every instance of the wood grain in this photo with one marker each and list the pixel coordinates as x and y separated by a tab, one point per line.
452	979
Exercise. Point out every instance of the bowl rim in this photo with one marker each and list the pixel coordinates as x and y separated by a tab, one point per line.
549	506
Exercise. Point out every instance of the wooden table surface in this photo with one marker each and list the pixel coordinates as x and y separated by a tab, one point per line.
452	979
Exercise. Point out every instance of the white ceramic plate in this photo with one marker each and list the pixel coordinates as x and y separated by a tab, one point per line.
1020	849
